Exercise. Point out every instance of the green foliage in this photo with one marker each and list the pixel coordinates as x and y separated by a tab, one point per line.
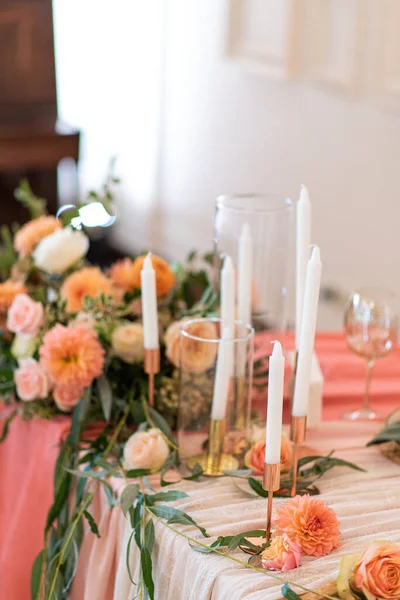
8	255
92	523
129	496
36	575
390	433
105	394
24	194
6	425
288	593
231	542
306	477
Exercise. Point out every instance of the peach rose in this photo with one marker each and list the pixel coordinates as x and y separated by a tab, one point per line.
281	555
67	396
8	292
30	234
198	356
146	450
31	380
25	316
255	457
127	341
165	277
377	572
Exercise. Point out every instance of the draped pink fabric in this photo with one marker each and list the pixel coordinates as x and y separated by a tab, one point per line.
28	455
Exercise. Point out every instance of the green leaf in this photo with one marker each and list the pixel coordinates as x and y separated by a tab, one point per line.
128	551
241	473
288	593
149	535
87	474
110	468
132	473
171	462
24	194
257	487
322	464
241	537
106	396
6	425
36	575
129	496
390	433
196	473
136	516
174	515
59	501
92	523
160	422
146	566
169	496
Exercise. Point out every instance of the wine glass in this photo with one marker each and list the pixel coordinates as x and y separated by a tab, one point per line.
371	328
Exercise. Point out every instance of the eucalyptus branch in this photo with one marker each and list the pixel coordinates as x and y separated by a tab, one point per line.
240	562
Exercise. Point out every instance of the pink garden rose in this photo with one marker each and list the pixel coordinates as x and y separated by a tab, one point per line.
67	396
281	555
25	316
377	572
31	380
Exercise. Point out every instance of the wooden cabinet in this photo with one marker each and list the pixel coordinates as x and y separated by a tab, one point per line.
31	141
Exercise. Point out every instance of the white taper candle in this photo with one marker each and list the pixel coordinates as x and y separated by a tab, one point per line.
303	241
245	277
222	376
307	335
276	374
149	304
227	293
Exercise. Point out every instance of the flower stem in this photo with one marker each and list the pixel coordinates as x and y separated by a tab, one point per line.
240	562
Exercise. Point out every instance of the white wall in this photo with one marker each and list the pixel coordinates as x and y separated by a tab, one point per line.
227	129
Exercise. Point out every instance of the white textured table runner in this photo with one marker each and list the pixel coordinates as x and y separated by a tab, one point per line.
367	505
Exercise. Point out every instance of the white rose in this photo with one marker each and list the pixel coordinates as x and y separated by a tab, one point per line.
24	346
60	250
146	450
128	342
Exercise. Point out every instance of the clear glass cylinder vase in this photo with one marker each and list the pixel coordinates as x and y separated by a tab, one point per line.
271	222
216	371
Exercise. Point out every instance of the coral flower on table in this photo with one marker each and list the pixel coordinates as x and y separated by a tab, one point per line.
86	283
29	236
310	523
72	356
9	290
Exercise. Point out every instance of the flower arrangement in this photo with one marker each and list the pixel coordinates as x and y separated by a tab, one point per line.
72	342
72	332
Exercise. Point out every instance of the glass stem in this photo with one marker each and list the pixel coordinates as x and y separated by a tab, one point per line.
370	364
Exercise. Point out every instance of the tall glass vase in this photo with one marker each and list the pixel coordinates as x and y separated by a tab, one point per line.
215	394
271	222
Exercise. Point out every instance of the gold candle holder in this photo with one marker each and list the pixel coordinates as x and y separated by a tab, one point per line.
214	461
298	428
151	367
240	417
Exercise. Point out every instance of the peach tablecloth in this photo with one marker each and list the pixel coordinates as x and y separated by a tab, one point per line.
27	461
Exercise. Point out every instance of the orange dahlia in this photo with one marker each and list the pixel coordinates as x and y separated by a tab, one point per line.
72	356
88	282
28	237
8	291
310	523
165	277
123	275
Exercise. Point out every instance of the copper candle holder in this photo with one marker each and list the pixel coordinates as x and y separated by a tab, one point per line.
298	428
151	367
271	483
